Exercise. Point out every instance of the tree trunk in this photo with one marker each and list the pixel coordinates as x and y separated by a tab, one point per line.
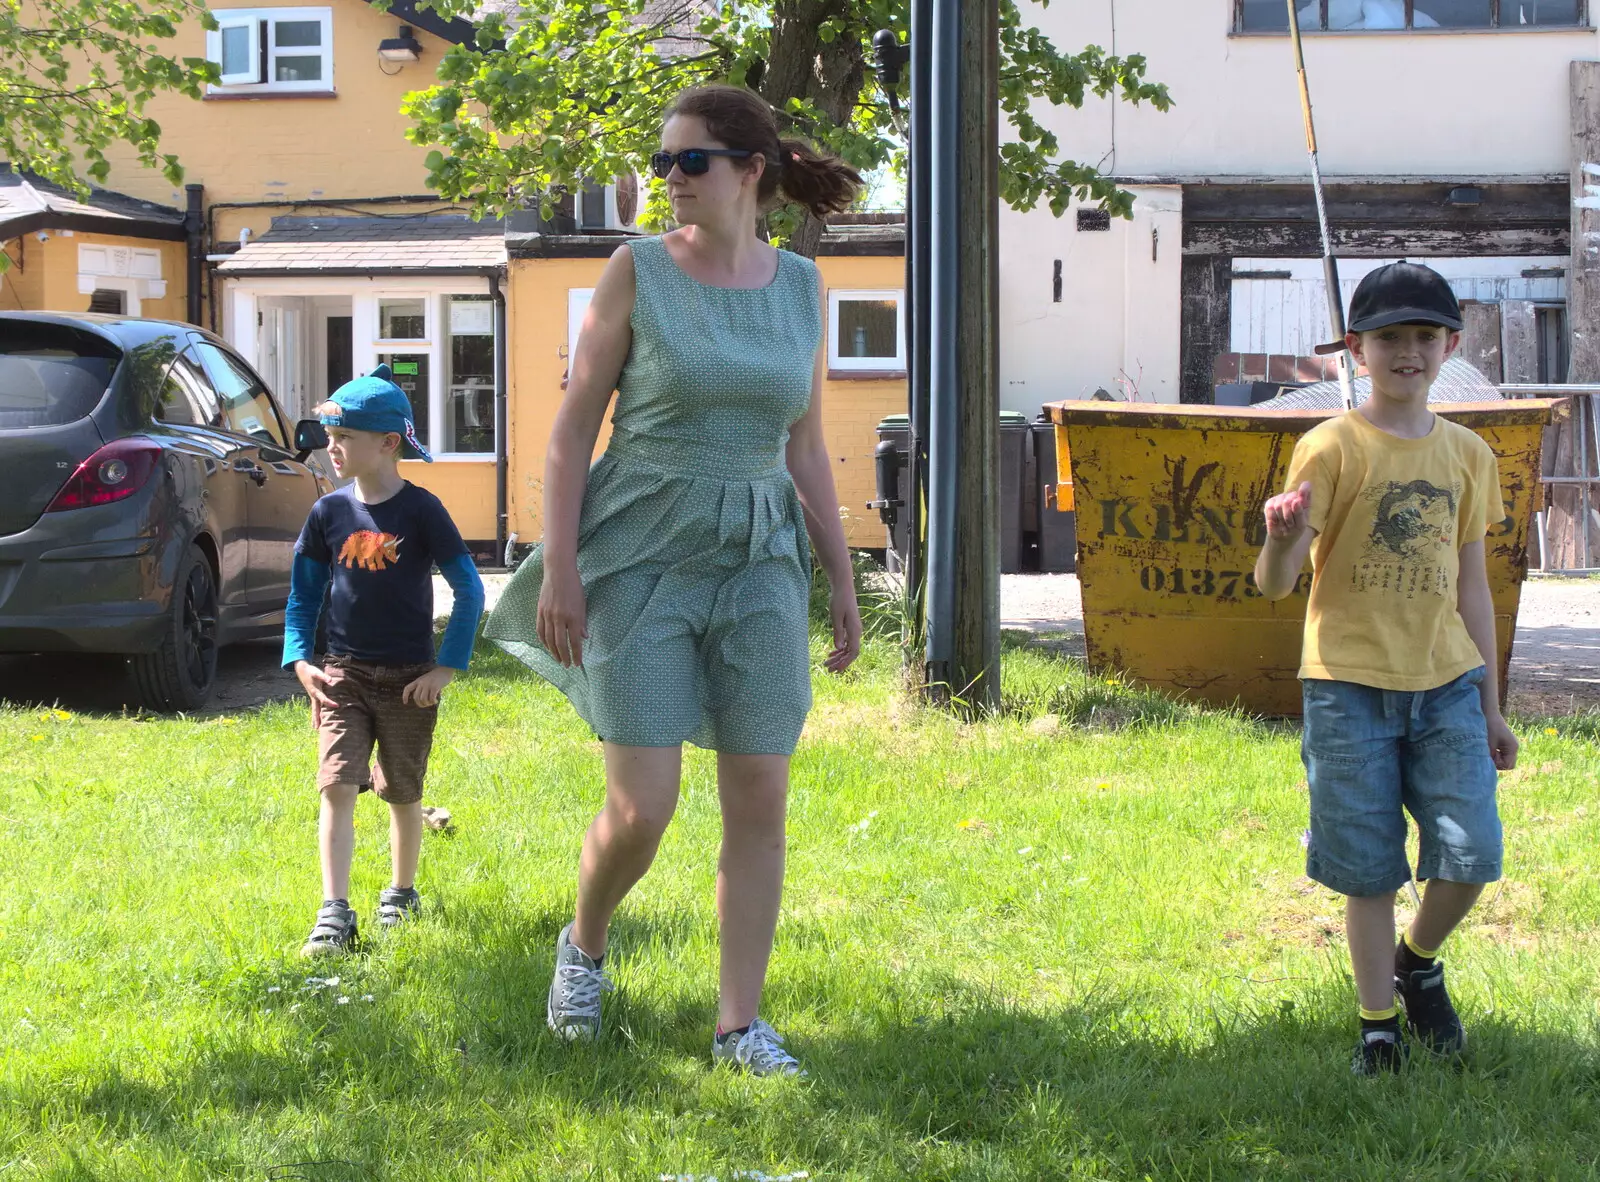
828	75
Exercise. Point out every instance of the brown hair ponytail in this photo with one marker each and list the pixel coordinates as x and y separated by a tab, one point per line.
740	118
824	184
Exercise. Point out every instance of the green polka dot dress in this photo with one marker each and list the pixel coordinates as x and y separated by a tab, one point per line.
692	546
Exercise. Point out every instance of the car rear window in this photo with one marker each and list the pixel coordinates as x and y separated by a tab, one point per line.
51	374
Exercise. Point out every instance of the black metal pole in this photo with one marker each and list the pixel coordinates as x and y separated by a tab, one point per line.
943	213
194	225
917	304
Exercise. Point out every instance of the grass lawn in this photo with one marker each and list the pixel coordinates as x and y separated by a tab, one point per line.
1072	942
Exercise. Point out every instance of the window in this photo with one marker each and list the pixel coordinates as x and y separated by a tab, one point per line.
577	308
187	399
51	375
1271	16
246	406
440	346
283	49
111	303
866	332
403	319
469	398
1550	331
411	373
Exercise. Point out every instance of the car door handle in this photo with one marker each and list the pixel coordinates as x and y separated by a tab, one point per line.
253	471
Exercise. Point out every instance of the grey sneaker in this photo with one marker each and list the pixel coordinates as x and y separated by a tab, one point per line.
758	1050
573	1009
335	931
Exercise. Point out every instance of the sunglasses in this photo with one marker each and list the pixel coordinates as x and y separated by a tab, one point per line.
692	161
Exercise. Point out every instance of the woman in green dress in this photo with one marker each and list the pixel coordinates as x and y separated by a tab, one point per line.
669	598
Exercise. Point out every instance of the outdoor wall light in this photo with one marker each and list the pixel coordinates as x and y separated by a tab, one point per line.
404	48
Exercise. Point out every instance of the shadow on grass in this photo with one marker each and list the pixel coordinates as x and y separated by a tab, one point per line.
915	1074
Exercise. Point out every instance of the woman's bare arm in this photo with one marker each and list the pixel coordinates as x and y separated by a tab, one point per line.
593	370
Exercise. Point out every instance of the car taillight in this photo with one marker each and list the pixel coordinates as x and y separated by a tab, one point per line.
117	470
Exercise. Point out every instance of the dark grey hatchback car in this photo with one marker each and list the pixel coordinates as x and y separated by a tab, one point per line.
150	496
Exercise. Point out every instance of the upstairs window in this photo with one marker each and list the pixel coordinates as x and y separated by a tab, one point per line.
272	49
1337	16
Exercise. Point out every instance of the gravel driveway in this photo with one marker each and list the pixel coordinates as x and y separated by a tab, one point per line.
1555	665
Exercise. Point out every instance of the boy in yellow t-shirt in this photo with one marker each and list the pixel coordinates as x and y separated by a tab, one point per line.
1402	709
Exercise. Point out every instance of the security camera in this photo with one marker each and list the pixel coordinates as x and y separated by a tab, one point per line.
42	236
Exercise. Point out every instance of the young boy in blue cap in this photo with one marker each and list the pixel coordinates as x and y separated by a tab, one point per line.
376	541
1402	701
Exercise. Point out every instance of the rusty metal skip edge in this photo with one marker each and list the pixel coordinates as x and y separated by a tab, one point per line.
1330	264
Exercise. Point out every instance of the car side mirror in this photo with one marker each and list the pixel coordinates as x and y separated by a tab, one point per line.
309	436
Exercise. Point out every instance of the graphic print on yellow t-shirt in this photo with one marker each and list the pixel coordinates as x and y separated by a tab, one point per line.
1411	545
1391	516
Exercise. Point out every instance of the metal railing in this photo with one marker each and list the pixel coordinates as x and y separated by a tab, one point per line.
1584	478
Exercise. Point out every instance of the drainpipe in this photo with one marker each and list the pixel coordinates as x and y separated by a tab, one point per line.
194	228
502	450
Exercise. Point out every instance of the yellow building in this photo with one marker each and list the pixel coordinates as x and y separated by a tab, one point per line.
109	253
305	236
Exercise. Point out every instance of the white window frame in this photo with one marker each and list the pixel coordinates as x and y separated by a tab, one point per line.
241	301
430	323
577	306
250	22
439	389
895	364
264	53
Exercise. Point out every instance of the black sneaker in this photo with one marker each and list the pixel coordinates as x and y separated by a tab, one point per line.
1379	1052
396	906
1430	1017
334	932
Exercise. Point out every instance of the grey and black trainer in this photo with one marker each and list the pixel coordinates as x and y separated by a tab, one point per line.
573	1009
334	931
1380	1052
1430	1017
758	1050
397	905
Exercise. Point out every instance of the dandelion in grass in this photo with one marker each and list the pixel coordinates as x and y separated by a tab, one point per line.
1550	730
37	738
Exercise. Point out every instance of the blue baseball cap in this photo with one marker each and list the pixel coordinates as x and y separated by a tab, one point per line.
375	403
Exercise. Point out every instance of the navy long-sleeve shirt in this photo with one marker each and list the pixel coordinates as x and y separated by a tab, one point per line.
379	560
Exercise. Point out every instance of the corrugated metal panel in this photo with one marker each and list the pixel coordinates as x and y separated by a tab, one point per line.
1290	316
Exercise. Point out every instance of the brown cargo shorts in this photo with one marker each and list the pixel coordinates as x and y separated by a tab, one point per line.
369	712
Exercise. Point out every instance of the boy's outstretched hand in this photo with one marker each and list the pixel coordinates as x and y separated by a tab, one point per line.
1289	514
315	681
426	690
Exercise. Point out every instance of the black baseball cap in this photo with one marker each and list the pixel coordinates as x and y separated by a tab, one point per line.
1401	293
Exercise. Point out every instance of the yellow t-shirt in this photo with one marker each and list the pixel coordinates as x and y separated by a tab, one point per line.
1391	516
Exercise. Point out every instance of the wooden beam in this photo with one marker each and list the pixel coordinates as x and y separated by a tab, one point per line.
1206	325
1480	339
1519	342
1290	240
1417	203
975	653
1583	276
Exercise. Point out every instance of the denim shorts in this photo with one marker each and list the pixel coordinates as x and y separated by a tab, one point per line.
1369	753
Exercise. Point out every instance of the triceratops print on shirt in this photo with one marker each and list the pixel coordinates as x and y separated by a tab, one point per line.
366	550
1411	538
